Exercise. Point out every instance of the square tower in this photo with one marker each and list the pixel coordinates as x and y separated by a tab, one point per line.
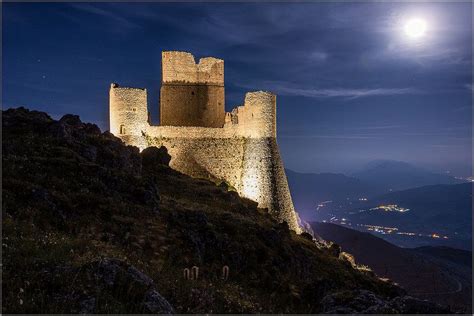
191	94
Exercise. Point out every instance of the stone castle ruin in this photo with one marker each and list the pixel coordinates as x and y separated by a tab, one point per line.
203	140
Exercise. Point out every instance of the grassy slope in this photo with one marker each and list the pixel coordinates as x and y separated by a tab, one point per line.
73	195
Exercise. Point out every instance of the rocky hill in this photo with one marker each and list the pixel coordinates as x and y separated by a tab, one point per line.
93	226
434	273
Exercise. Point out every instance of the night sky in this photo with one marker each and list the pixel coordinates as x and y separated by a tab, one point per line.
352	86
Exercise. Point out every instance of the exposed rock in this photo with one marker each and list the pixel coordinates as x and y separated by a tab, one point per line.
87	306
153	156
155	303
366	302
127	283
70	119
411	305
335	249
307	236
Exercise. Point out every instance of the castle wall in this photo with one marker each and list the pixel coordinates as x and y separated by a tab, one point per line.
244	153
192	94
192	105
252	165
181	67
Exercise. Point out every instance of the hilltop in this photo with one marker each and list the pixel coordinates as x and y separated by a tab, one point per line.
91	225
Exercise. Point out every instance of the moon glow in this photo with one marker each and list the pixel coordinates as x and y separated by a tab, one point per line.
415	28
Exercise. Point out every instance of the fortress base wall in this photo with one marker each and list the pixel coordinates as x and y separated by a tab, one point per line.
192	105
252	166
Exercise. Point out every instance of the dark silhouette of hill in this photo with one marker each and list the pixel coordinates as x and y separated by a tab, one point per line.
420	274
93	226
397	175
427	201
457	256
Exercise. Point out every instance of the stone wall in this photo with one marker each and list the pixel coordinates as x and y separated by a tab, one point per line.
128	114
181	67
243	153
192	105
252	166
257	118
192	94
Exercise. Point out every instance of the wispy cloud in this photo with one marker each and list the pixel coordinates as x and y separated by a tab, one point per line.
110	15
376	127
346	93
318	56
329	137
289	89
469	86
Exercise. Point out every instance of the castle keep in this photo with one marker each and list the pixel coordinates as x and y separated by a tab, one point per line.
203	140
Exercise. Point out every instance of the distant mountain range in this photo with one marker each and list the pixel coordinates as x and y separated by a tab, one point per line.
377	178
438	213
309	189
397	175
436	273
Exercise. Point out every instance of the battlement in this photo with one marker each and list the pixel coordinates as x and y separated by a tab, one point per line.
114	85
181	68
257	117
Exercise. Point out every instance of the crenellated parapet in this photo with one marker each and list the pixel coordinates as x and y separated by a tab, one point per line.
181	68
257	117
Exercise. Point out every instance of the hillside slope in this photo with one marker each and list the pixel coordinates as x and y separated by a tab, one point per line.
420	274
91	225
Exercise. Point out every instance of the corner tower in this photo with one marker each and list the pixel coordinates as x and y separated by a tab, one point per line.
128	114
191	94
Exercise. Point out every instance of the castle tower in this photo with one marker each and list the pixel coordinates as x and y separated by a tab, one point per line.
128	114
192	94
257	117
263	177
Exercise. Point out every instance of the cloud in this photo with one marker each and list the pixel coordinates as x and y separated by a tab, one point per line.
469	86
288	89
114	17
318	56
342	92
349	137
376	127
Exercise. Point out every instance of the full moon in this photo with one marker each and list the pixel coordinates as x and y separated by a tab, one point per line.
415	28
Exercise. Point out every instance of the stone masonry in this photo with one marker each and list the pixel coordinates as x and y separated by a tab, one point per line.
239	147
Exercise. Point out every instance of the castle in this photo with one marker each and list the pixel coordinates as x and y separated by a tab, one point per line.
203	140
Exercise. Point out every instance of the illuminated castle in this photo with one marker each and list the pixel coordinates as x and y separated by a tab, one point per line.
203	140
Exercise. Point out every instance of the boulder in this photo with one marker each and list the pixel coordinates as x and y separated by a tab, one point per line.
128	284
153	156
